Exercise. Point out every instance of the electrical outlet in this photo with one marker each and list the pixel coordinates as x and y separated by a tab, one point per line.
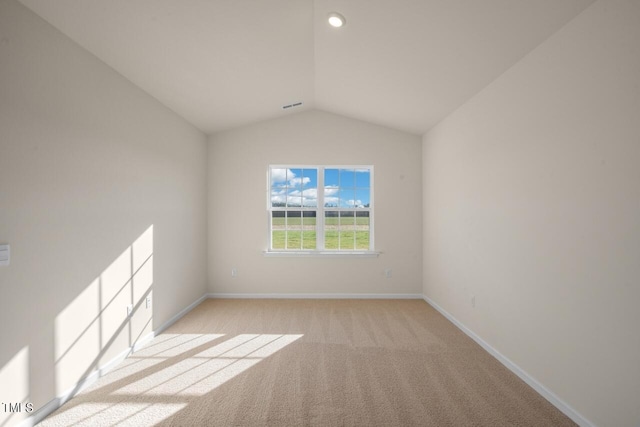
234	272
129	310
147	301
387	273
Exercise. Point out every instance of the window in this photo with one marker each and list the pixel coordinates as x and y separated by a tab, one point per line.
304	219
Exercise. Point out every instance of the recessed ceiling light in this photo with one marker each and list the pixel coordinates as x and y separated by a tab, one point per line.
336	20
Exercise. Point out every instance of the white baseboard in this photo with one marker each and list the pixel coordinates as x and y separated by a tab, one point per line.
85	382
315	296
54	404
92	377
524	376
181	314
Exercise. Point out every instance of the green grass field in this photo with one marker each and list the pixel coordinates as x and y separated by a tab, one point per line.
347	232
333	239
360	220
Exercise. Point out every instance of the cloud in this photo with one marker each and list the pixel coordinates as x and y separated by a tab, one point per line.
308	197
295	182
310	193
287	187
286	177
331	201
355	203
330	190
278	197
281	175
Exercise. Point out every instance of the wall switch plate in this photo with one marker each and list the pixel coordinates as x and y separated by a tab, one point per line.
129	310
5	254
234	272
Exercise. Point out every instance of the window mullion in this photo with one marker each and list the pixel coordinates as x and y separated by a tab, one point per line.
286	211
269	208
371	213
320	209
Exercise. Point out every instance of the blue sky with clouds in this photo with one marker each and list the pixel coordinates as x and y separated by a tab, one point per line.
345	188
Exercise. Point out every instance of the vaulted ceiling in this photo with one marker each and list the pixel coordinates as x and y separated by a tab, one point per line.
221	64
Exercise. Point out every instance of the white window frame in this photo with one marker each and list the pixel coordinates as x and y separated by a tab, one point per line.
320	210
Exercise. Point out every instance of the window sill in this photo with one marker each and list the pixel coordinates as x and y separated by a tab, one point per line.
322	254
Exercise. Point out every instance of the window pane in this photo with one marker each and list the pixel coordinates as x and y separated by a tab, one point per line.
308	239
347	178
309	220
278	239
294	187
346	239
331	178
278	177
294	220
362	218
363	178
331	225
277	220
347	197
331	219
362	230
362	240
331	199
362	197
294	199
347	220
278	187
308	230
293	230
294	239
347	229
310	187
294	179
278	198
331	239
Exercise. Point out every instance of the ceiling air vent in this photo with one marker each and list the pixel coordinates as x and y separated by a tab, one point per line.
295	104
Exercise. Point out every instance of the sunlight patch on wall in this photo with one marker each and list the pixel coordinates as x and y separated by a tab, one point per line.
115	296
14	388
109	316
142	282
77	337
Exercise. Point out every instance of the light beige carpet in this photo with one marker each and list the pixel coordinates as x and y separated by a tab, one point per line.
310	362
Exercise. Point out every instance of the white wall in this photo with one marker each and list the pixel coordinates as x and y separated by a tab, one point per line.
88	163
238	162
532	204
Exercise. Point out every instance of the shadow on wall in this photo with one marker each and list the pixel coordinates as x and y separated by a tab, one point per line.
108	318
